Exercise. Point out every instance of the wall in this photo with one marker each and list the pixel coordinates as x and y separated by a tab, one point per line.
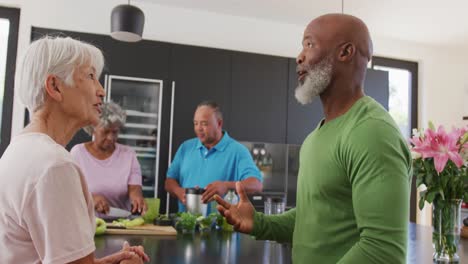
443	85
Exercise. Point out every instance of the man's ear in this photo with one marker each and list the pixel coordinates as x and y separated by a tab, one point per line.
347	51
220	123
53	87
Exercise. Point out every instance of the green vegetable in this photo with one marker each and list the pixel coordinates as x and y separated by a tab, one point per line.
205	222
129	223
100	226
219	219
136	222
186	222
163	217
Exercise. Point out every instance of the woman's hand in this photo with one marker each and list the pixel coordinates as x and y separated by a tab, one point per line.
136	199
134	260
139	205
138	250
101	205
128	255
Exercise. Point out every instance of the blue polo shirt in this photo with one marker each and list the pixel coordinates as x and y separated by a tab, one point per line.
195	165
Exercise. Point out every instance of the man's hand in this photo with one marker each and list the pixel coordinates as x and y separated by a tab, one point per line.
218	187
180	193
139	205
101	205
240	215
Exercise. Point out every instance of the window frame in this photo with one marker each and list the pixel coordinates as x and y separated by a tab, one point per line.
13	15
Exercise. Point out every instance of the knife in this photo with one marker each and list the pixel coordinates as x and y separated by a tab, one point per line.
118	213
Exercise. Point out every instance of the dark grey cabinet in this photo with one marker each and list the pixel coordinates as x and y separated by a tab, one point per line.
377	86
199	74
258	97
144	59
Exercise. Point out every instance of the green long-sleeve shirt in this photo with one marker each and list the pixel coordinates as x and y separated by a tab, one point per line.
352	192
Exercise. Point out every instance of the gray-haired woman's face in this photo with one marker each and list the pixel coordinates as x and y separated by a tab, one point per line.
106	137
84	99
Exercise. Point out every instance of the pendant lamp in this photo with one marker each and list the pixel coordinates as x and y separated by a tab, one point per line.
127	23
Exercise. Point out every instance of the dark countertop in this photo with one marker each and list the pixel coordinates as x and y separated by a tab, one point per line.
221	247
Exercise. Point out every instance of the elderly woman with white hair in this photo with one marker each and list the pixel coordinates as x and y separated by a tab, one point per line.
111	169
46	210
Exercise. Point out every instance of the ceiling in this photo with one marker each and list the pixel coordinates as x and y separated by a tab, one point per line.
431	22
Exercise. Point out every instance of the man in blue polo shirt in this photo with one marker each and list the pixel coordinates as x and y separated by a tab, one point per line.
213	160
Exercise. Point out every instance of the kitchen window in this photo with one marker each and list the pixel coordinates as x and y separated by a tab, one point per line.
403	91
9	21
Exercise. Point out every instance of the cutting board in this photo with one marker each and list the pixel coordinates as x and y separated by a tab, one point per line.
146	229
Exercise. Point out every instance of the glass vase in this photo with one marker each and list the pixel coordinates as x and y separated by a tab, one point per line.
446	221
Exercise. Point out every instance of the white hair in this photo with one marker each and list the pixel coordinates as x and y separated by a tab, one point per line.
315	82
111	114
58	56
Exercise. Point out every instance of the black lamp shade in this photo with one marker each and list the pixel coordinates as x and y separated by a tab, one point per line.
127	23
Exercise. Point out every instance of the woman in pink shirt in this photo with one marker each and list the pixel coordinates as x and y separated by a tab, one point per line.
111	170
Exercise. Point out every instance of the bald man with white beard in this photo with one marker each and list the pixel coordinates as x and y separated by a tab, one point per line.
354	169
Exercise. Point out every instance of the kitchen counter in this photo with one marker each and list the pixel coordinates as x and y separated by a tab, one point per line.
220	247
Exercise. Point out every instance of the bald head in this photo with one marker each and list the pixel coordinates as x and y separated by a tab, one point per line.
337	29
333	61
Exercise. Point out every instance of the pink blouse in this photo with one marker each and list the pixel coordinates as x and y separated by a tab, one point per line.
110	177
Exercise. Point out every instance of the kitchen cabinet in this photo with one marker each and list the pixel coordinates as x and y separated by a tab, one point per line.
376	86
143	59
258	97
199	74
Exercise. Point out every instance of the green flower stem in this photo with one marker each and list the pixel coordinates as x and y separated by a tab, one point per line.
446	220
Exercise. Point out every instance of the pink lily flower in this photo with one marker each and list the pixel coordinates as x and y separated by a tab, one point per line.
441	146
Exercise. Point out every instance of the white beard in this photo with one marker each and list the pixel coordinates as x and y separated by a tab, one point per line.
317	79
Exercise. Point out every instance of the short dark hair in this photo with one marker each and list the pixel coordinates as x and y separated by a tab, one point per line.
213	105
